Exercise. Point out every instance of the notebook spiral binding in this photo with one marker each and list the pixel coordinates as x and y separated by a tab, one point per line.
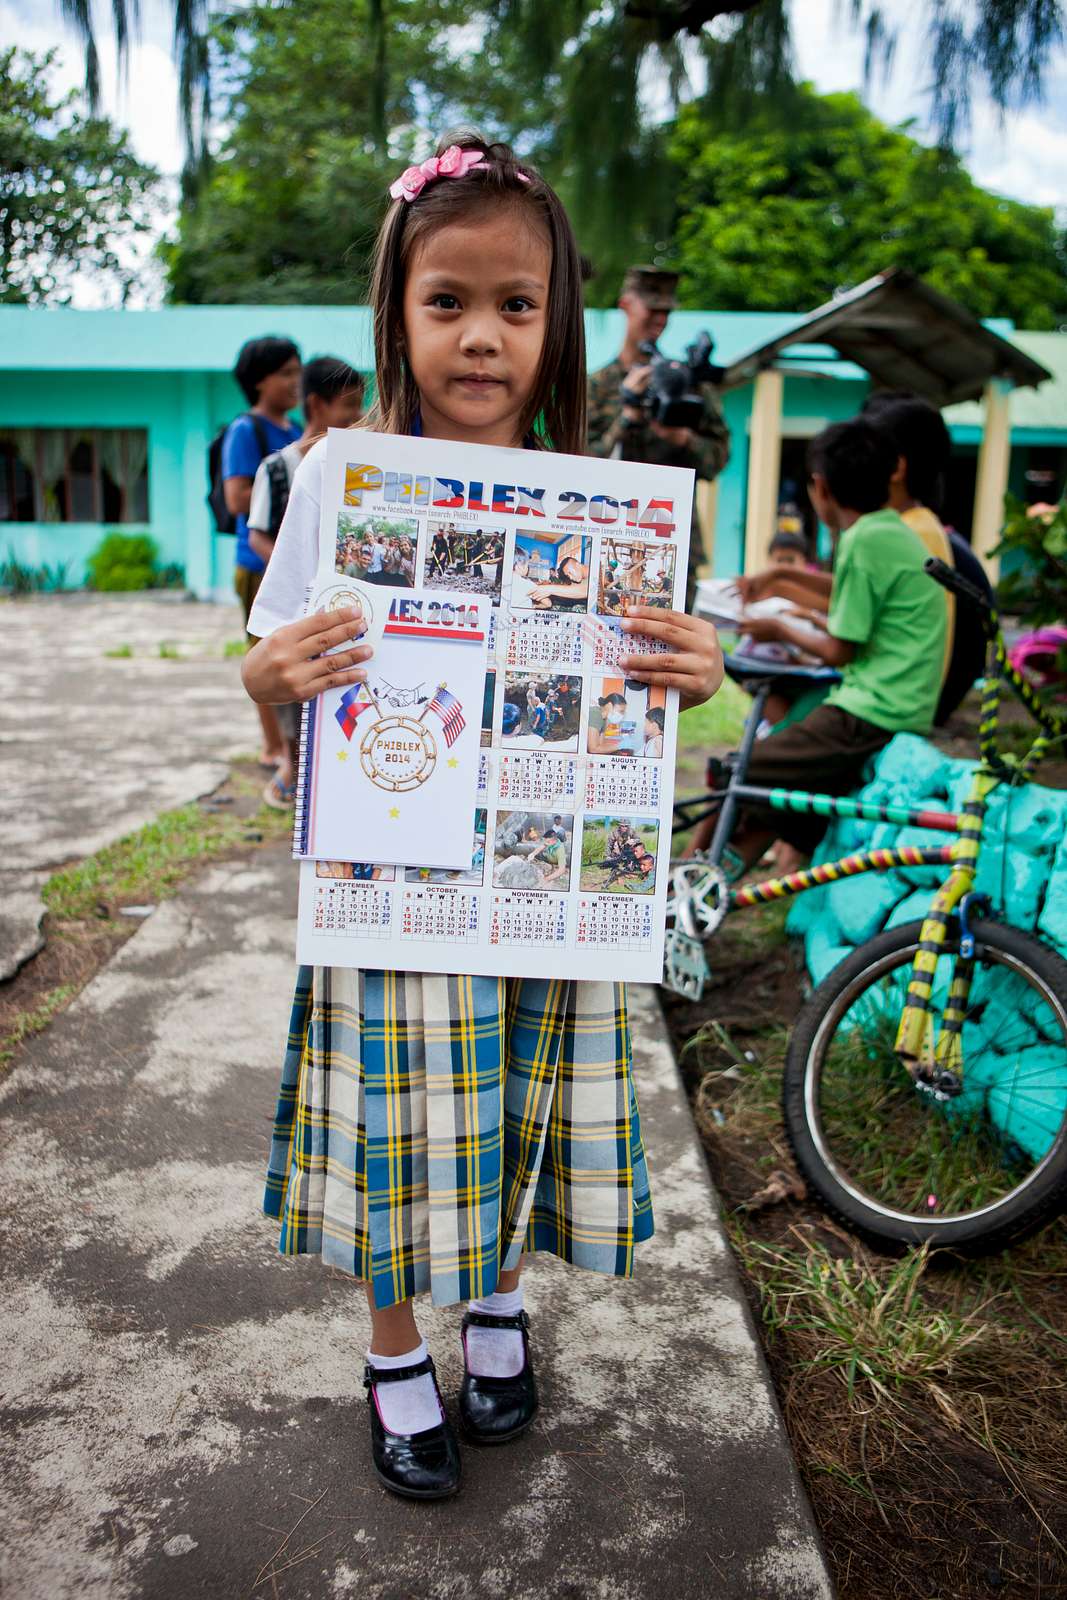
302	811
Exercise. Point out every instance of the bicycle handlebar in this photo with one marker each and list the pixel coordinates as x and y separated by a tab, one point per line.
1051	723
964	589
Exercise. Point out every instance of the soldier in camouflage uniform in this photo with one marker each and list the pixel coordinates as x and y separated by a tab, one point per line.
624	432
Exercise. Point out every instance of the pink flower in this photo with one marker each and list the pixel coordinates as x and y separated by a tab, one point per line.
409	184
456	164
453	163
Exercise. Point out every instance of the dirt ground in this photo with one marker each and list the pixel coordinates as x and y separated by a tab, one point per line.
949	1489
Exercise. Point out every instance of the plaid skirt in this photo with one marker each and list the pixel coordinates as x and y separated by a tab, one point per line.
430	1129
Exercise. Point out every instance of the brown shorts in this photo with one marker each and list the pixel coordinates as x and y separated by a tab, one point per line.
826	752
246	583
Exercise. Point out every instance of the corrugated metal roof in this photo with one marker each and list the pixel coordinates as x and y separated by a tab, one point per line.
907	336
1042	410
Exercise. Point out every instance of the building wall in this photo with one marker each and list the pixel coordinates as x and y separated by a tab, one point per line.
183	410
808	405
104	400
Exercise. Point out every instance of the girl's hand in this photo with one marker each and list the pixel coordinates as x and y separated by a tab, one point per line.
694	664
291	664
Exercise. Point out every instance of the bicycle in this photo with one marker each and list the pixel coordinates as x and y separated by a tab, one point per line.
925	1081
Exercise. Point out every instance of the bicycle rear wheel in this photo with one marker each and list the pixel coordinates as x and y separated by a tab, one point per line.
882	1153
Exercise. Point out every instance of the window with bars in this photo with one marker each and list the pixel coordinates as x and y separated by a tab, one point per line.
73	475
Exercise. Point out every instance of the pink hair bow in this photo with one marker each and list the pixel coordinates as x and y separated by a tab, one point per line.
451	163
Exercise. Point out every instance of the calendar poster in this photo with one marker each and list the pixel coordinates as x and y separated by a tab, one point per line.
570	829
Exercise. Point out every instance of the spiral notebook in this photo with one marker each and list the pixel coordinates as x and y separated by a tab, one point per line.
389	768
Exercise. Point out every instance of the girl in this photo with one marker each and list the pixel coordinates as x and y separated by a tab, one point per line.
432	1128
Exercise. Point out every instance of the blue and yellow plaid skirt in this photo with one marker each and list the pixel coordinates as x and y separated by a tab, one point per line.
430	1129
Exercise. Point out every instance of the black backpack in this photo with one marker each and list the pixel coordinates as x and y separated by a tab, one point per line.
225	521
279	484
967	661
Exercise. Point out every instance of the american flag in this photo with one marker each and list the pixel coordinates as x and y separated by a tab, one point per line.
353	703
450	712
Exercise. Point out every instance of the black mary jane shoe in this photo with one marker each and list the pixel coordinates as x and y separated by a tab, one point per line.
497	1409
420	1466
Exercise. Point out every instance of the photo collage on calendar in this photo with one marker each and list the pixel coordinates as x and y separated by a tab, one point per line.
569	829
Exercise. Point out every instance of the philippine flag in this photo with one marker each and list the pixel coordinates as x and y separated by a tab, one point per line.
450	711
351	708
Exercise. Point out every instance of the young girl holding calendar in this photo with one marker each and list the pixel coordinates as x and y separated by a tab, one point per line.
410	1146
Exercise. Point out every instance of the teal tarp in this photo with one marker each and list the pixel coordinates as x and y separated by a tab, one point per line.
1023	870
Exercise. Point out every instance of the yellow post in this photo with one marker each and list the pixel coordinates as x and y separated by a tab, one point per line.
707	497
992	480
764	466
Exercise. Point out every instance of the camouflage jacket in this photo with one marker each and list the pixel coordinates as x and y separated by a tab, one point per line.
707	453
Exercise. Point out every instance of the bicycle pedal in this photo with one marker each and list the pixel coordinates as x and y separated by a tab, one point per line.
685	967
699	897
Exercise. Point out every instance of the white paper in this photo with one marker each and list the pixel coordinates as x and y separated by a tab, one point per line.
570	836
719	600
390	768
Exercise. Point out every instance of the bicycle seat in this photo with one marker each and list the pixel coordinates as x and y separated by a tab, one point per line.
750	669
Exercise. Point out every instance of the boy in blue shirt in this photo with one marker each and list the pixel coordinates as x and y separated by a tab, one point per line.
268	372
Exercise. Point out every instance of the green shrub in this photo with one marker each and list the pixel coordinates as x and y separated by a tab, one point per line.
18	578
1037	588
123	561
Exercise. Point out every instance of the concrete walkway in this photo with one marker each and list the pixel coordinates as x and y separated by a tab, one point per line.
182	1411
94	745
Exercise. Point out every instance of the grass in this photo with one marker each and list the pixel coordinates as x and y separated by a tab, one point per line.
867	1321
150	864
168	651
717	722
713	727
925	1395
83	928
33	1019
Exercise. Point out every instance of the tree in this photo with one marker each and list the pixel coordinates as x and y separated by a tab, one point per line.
814	194
1004	43
289	207
71	191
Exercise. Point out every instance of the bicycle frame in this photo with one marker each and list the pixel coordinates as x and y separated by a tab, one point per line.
941	1069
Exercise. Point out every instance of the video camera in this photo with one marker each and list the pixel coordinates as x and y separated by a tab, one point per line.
673	396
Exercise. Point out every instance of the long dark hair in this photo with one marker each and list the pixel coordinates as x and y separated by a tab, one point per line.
555	411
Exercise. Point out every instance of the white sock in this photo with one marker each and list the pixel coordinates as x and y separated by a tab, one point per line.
495	1352
409	1405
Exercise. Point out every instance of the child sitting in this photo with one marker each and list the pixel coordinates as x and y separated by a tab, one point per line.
918	433
885	634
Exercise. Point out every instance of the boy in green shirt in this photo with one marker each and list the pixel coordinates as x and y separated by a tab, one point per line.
885	635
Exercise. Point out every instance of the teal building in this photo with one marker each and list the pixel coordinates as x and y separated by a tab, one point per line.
106	418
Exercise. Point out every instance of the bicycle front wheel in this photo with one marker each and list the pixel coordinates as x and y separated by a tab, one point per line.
885	1156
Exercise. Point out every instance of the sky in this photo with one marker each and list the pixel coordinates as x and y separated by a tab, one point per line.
1024	156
